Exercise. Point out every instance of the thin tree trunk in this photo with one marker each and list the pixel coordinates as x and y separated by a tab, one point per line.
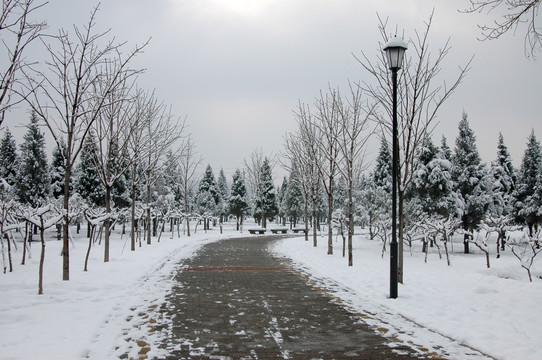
6	236
25	243
314	223
306	221
92	231
42	259
107	222
350	224
66	204
148	212
133	220
329	227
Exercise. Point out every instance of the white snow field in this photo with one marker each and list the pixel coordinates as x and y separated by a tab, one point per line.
110	310
495	310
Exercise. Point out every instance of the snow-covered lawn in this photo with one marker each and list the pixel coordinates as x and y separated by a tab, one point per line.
496	310
85	317
109	310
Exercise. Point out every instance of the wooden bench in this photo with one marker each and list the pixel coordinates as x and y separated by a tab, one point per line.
297	230
256	231
279	231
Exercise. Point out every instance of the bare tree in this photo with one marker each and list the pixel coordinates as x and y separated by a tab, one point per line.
66	95
163	132
421	94
253	167
188	164
355	119
113	131
306	150
328	129
299	160
17	31
514	13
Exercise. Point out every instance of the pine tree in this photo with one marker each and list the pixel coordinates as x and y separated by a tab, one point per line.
8	158
88	184
281	200
172	177
238	203
503	180
58	171
526	205
294	197
207	195
383	169
33	180
120	192
445	149
223	194
471	180
432	185
266	205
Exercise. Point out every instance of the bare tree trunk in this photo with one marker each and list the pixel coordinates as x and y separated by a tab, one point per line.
107	222
42	260
329	217
306	220
65	230
90	239
25	242
350	224
314	223
133	219
148	212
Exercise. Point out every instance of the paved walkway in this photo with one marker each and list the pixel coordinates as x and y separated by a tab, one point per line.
233	300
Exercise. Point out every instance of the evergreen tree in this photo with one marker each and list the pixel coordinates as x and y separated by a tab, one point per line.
432	185
120	192
266	204
445	149
88	184
470	179
172	177
383	169
207	195
223	195
58	171
238	203
281	200
503	181
376	202
526	205
33	181
294	197
8	158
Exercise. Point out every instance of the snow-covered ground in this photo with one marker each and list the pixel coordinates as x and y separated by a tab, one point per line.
495	311
110	310
86	317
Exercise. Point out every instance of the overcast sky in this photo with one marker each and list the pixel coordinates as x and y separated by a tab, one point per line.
237	68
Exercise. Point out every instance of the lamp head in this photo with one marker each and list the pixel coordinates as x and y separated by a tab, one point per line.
395	51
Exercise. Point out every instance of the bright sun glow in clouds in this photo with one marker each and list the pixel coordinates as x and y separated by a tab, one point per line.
243	7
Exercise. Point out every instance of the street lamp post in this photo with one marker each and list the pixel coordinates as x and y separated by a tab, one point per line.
395	51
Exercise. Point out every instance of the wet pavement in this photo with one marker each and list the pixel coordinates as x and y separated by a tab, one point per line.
234	300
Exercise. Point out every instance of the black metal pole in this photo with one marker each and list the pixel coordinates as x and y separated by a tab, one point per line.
394	246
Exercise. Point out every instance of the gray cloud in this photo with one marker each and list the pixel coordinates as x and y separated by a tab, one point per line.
237	68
